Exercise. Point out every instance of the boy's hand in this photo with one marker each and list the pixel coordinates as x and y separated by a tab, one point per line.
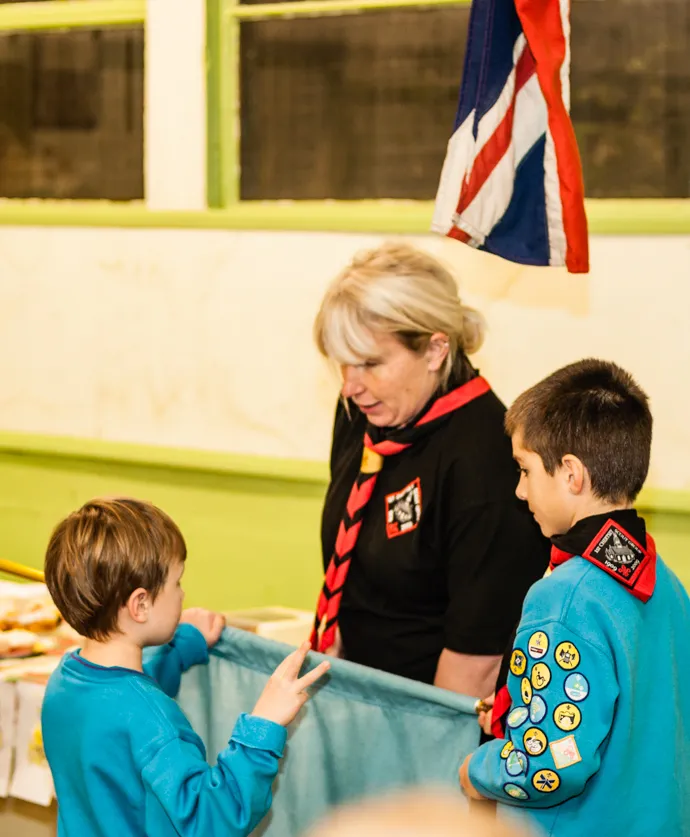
208	623
285	693
486	715
468	788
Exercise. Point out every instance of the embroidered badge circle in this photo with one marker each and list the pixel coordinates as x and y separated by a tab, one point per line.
538	645
507	748
567	716
535	741
526	690
515	791
517	717
541	676
576	687
537	709
518	662
516	763
567	656
546	781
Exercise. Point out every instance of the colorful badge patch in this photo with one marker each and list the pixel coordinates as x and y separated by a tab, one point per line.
546	781
567	656
404	509
515	791
617	551
567	716
516	763
535	741
517	717
576	687
541	676
537	709
507	749
565	752
526	690
518	662
538	645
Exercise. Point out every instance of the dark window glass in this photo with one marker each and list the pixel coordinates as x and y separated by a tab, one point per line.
71	114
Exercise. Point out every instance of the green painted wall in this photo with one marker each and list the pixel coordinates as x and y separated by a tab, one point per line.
251	524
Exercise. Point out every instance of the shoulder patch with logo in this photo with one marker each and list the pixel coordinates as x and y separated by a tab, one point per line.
526	690
567	716
565	752
538	645
515	791
541	676
518	662
535	741
576	686
615	550
567	656
546	781
404	509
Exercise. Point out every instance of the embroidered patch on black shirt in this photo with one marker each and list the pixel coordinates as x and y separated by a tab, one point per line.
617	551
404	509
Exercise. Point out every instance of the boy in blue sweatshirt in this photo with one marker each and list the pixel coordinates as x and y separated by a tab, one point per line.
598	692
124	757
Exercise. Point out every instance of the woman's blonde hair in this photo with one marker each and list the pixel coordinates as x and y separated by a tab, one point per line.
398	290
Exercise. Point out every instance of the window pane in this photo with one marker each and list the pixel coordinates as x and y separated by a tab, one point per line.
358	106
630	83
362	106
71	114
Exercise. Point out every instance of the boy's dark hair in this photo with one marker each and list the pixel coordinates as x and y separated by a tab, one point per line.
595	411
99	555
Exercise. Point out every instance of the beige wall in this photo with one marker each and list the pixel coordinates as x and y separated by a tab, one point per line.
203	338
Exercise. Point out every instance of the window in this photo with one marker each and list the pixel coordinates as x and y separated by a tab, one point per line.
71	114
362	105
352	106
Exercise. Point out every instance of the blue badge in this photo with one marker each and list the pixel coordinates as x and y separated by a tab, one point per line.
518	716
537	710
576	687
516	763
515	791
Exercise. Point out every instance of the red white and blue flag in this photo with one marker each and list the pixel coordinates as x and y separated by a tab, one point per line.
512	178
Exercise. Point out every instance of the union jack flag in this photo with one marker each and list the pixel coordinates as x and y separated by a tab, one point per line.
512	180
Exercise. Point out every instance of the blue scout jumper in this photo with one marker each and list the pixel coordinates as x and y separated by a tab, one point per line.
598	735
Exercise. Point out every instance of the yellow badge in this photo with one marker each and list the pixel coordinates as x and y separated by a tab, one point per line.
567	656
535	741
567	716
372	462
538	645
526	690
518	662
507	747
541	676
565	752
546	781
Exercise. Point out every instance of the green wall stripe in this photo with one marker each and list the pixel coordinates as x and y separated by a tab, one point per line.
606	217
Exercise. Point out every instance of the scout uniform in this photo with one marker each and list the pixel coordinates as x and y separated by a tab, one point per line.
597	736
444	552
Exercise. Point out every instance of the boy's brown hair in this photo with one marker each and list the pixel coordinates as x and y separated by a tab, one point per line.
595	411
99	555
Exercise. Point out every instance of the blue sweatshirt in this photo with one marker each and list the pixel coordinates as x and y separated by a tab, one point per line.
598	737
126	761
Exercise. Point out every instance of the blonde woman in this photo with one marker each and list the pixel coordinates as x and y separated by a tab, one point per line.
428	553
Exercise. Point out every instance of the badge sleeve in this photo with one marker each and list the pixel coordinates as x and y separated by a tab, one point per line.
563	692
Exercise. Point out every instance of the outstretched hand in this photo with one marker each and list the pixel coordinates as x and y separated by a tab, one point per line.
286	692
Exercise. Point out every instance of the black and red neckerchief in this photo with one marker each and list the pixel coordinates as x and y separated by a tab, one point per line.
378	444
614	543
